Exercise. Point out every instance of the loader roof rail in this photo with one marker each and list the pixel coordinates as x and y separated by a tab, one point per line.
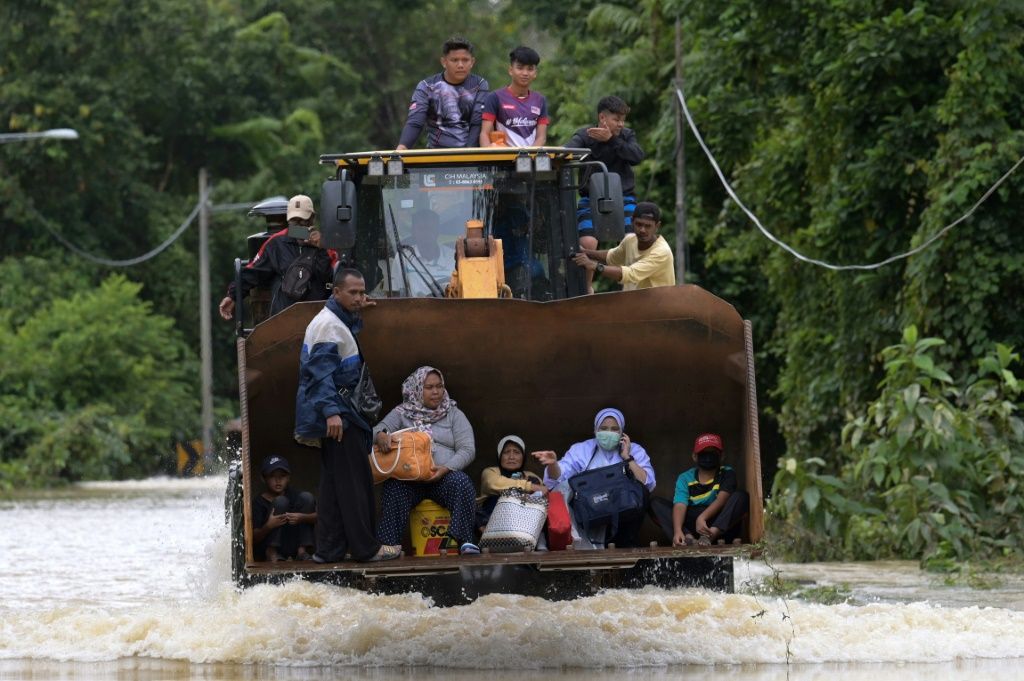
431	156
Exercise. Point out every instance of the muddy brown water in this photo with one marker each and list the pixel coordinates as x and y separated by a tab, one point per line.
130	581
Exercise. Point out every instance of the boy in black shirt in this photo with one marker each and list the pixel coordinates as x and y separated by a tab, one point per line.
282	518
611	142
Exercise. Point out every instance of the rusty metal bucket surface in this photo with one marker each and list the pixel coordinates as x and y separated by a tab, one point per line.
673	359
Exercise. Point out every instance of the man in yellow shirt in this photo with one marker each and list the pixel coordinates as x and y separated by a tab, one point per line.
642	260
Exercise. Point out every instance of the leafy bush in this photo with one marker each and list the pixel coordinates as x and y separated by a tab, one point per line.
94	385
929	470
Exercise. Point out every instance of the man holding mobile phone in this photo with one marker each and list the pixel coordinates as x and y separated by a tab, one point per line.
291	263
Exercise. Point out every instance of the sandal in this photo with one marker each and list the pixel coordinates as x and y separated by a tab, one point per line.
386	552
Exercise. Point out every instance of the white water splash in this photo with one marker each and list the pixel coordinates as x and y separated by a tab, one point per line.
140	576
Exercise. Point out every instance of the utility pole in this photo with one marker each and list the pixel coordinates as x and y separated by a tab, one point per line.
205	340
682	247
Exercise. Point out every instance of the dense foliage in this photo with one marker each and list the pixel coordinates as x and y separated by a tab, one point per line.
932	467
94	383
856	129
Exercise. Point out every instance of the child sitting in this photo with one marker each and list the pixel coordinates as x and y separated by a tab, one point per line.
707	506
282	518
508	474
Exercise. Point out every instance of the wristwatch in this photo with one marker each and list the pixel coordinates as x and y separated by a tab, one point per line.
628	459
600	267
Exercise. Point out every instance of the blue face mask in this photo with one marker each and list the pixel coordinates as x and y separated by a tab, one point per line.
608	440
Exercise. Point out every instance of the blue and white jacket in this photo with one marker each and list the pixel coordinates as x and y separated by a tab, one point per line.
330	361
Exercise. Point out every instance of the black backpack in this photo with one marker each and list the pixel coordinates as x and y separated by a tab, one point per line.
298	278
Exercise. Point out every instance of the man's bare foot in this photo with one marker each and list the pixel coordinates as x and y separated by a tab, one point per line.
704	541
272	555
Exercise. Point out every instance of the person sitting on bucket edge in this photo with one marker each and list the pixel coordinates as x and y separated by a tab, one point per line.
426	404
642	259
707	506
609	446
510	473
282	517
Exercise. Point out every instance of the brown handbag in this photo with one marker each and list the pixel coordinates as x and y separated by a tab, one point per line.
409	460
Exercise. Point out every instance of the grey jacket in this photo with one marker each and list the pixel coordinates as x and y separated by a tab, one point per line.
454	445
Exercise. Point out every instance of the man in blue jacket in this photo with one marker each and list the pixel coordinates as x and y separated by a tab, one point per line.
450	104
331	361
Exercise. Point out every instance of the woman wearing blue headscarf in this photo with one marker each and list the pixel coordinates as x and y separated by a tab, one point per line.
610	445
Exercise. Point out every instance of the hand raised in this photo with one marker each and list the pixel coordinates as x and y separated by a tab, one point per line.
546	457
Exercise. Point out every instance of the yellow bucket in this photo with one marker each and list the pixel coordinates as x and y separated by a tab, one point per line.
428	529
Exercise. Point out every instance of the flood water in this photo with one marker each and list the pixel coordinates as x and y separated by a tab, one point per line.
131	581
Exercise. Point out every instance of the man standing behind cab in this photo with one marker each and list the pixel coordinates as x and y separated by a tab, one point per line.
291	262
331	361
642	260
450	103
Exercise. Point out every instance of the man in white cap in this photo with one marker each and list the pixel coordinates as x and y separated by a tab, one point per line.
291	263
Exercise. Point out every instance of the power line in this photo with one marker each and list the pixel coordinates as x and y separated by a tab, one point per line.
131	261
99	260
821	263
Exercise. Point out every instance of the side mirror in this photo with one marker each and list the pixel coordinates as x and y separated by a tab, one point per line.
338	214
606	210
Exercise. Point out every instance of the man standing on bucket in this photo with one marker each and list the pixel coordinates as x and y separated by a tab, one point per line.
331	361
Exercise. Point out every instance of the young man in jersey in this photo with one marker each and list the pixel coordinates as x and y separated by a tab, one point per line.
448	103
518	112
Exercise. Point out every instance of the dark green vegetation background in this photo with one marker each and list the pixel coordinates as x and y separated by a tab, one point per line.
854	128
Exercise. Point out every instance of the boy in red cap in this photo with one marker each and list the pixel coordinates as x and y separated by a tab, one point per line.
706	506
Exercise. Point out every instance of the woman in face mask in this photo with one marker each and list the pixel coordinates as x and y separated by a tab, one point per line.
610	445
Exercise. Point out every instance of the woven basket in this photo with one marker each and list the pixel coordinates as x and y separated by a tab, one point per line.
516	523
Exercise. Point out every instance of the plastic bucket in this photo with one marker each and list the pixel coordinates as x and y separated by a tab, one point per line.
428	529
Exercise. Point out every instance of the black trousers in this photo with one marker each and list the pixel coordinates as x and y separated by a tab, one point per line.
346	516
728	519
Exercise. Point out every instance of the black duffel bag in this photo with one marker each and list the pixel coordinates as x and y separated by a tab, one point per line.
602	495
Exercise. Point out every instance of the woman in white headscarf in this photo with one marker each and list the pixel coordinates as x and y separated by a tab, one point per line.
426	404
610	445
510	473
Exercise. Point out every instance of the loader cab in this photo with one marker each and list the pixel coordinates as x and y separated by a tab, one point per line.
396	216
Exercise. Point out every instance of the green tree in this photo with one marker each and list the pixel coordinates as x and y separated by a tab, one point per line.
94	383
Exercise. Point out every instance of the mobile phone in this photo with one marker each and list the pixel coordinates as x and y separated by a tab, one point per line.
299	232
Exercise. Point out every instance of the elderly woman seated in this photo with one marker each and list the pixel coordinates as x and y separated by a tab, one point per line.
510	473
426	405
609	446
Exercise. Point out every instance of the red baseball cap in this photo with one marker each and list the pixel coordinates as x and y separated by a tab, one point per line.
706	440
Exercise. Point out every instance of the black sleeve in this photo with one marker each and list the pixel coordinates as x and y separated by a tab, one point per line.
577	141
627	147
260	514
417	115
476	118
324	275
727	483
